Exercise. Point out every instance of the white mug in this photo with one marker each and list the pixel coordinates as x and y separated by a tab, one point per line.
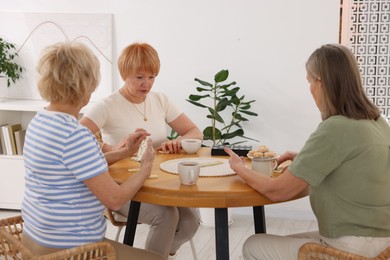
264	165
191	146
188	172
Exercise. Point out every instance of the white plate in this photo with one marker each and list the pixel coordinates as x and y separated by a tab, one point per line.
251	157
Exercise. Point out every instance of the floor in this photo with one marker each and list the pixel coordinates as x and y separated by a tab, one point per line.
239	230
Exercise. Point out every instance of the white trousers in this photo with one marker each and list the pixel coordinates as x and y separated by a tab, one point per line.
264	246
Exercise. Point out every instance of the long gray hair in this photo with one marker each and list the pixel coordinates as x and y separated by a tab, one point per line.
336	67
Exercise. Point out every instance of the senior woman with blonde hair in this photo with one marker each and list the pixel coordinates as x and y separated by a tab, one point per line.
345	162
67	185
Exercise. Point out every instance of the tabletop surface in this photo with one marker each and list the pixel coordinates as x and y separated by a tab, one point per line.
212	192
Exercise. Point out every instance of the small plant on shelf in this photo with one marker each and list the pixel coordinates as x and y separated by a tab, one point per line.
220	96
8	67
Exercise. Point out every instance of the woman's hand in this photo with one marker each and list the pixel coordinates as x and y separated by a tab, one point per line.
171	146
288	155
148	155
131	144
236	162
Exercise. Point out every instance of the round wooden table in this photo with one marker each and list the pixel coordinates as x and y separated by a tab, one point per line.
209	192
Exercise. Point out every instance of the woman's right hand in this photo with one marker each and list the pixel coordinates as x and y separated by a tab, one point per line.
236	162
131	143
288	155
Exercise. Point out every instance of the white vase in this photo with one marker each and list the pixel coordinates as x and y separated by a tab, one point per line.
3	88
207	216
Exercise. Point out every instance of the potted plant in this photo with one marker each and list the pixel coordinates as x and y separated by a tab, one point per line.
221	96
8	68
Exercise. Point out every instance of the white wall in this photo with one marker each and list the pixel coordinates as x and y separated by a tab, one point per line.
264	44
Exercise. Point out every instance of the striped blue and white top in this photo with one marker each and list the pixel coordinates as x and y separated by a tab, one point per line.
58	208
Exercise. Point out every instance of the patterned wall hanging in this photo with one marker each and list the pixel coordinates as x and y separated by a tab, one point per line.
365	29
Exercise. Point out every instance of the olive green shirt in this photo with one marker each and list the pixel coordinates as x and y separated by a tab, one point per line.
347	165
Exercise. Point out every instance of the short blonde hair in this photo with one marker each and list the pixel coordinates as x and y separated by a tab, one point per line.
138	57
69	72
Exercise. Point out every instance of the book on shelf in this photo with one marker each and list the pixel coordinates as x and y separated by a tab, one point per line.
7	133
2	143
6	140
19	140
11	130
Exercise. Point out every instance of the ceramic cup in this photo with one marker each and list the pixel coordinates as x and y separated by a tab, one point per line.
191	146
264	165
188	172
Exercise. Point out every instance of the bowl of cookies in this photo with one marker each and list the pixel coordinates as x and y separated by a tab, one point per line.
261	152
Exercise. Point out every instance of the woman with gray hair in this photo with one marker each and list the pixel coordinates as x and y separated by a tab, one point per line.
345	163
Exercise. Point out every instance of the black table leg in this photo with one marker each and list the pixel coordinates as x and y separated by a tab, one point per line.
132	221
221	234
259	219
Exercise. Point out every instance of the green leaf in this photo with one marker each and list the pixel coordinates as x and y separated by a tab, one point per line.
208	133
222	104
215	116
199	89
228	85
245	107
227	127
211	110
238	117
235	100
221	76
204	83
219	119
248	112
248	102
197	97
196	103
233	91
238	132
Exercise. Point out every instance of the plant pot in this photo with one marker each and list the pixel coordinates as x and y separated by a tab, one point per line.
207	217
240	150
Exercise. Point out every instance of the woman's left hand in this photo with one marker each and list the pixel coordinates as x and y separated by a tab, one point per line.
171	146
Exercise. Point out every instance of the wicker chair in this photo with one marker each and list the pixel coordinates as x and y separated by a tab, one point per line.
12	248
313	251
117	221
120	221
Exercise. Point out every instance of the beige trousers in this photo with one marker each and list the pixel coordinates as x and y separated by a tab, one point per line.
170	227
122	251
264	246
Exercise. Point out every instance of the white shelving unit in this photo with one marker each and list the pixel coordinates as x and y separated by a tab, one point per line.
14	111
